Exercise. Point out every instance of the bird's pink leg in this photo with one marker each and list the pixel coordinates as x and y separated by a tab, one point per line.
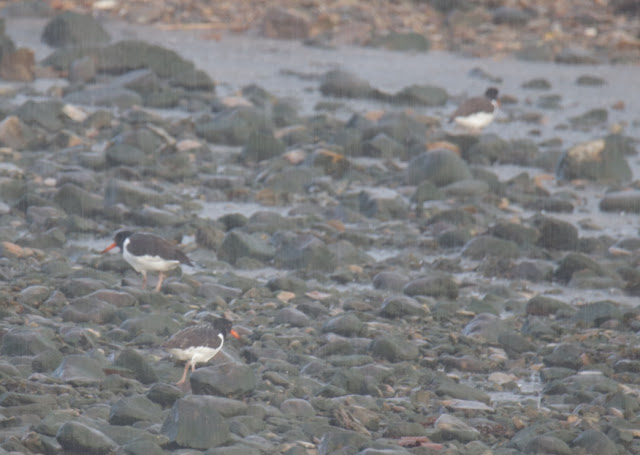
184	373
144	280
160	278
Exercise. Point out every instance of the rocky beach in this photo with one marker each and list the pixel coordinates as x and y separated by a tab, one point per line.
399	285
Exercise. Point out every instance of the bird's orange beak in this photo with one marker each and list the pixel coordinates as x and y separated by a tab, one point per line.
235	334
110	247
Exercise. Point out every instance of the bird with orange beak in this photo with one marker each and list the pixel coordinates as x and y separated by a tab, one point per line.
148	253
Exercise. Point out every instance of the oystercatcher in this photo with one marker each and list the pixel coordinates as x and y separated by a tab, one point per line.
477	112
198	343
148	253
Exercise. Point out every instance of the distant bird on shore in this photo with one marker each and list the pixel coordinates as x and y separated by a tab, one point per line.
477	112
148	253
198	343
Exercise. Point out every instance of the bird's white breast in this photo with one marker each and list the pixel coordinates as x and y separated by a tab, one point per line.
476	121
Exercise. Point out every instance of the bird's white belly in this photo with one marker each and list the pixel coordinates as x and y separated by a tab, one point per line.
147	263
196	354
475	121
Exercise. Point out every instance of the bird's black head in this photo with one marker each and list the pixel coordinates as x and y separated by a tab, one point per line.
222	325
491	93
118	240
121	236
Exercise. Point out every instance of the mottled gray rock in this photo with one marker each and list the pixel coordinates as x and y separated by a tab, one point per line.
87	309
78	437
238	244
515	344
125	155
565	355
596	313
79	369
556	234
392	281
285	23
461	391
79	201
342	84
82	70
515	17
227	379
489	148
128	55
461	189
292	179
346	324
382	204
595	441
109	96
518	233
621	201
24	341
333	441
117	298
194	422
155	323
136	363
534	271
262	145
293	317
142	447
537	83
78	287
486	245
298	408
193	79
228	407
383	146
46	114
46	361
234	126
303	251
400	306
548	444
51	238
590	80
576	262
577	56
453	428
397	430
440	166
164	394
542	305
599	160
590	119
393	349
129	410
238	449
485	327
421	95
73	29
400	126
436	286
401	41
131	194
